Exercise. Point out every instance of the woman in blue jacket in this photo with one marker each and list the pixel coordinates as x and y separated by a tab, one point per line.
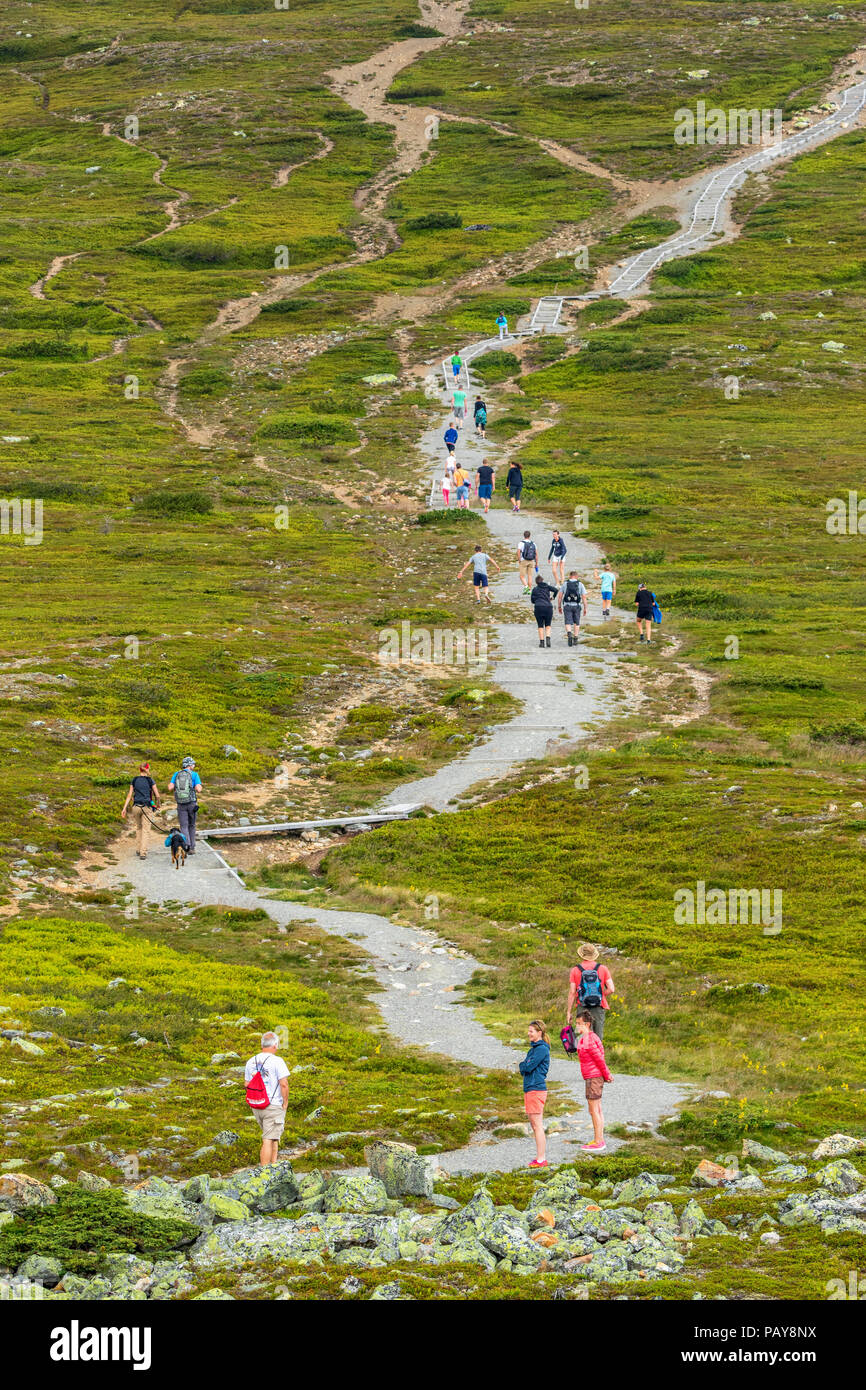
534	1069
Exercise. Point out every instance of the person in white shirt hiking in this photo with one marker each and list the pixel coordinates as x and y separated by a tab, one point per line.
266	1077
608	588
527	561
572	599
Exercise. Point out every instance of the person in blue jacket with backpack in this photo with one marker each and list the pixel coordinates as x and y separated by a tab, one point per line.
186	785
534	1069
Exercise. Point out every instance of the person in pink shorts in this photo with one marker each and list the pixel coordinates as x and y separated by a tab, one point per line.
534	1069
594	1070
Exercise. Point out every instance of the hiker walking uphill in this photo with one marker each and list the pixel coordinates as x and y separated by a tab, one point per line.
589	984
479	413
514	482
556	557
186	785
572	599
462	484
534	1069
645	604
608	588
479	562
527	561
502	325
143	793
267	1094
541	598
451	437
485	481
458	401
456	364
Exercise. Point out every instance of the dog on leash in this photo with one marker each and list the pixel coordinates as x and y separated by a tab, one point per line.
177	843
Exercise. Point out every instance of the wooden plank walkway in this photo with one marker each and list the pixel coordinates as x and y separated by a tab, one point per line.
251	832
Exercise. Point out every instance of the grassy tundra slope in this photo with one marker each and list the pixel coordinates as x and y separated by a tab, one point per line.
189	315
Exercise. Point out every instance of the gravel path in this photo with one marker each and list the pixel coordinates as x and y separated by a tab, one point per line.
565	691
421	979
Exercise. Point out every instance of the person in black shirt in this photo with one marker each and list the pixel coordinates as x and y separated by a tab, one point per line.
644	599
515	485
556	555
143	793
485	482
541	598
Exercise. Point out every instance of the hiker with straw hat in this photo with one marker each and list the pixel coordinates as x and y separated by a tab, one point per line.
589	984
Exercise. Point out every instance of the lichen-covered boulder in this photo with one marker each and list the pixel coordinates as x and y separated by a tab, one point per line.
226	1208
41	1269
762	1153
787	1172
19	1191
841	1177
838	1145
458	1224
400	1168
643	1185
830	1212
355	1194
263	1190
693	1219
158	1197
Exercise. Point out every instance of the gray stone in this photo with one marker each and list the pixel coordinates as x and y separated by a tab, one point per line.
840	1177
226	1138
761	1152
400	1169
838	1145
356	1194
92	1182
41	1269
264	1190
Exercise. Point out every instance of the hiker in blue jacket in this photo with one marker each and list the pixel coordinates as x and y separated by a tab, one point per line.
556	555
451	437
533	1069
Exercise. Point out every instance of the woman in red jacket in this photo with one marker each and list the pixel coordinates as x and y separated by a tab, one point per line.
594	1070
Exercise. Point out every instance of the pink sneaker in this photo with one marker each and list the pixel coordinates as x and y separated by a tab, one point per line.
594	1148
538	1163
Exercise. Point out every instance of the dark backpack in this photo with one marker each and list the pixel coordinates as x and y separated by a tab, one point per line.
184	790
590	993
572	591
529	551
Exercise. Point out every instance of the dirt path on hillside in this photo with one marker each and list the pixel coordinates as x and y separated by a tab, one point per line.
38	288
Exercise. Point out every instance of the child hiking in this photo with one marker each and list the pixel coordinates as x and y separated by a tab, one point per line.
502	325
608	587
533	1069
479	562
594	1070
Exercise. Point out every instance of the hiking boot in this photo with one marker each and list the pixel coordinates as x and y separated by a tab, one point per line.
570	640
547	641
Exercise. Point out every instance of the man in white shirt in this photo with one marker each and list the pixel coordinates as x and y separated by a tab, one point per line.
275	1076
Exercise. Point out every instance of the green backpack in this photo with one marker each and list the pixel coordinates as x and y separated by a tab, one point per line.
184	790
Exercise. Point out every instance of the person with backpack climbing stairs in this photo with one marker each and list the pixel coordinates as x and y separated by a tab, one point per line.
589	984
186	785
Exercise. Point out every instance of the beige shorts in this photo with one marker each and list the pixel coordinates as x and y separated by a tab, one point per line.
272	1121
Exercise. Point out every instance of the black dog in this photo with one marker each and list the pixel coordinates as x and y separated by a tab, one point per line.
178	849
